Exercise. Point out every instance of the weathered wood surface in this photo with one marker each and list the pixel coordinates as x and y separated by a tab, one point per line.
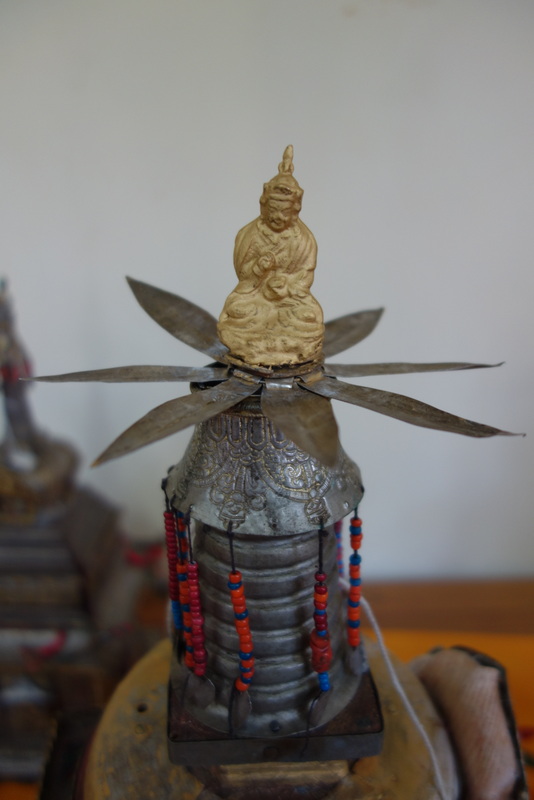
128	759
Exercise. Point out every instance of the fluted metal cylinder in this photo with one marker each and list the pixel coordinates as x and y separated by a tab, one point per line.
278	576
239	469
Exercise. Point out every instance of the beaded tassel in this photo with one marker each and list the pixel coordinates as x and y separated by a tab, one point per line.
338	530
172	561
183	586
353	603
200	657
320	637
246	649
193	621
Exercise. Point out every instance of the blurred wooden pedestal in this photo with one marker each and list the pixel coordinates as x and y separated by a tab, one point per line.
493	616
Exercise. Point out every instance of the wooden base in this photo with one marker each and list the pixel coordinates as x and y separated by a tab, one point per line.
129	758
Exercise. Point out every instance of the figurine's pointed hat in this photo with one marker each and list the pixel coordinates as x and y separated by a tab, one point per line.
284	184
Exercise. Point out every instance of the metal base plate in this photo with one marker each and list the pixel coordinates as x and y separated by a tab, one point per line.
128	754
356	732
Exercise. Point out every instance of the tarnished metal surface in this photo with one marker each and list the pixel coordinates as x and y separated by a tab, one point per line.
128	757
139	374
278	575
240	468
401	407
175	415
356	732
182	319
400	368
344	332
310	425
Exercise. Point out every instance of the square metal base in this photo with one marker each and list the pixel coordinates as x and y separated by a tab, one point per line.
356	732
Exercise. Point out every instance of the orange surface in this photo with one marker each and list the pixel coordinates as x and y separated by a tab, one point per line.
514	651
18	791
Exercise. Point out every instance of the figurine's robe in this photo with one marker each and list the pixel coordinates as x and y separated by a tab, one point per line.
271	318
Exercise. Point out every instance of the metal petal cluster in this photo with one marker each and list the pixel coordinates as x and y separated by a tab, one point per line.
297	401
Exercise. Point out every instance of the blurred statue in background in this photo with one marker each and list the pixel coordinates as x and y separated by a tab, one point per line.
20	432
35	471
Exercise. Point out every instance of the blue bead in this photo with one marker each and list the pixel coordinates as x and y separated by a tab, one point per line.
246	680
177	614
353	603
355	531
189	648
353	623
321	633
185	607
234	585
355	559
321	612
243	615
324	681
187	629
182	576
355	581
245	656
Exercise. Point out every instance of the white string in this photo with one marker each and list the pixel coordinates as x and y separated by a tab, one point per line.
438	778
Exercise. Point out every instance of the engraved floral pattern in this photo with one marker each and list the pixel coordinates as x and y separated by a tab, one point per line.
238	458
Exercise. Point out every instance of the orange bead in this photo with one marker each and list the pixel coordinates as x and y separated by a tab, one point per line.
240	686
234	577
189	660
246	647
244	638
237	593
354	613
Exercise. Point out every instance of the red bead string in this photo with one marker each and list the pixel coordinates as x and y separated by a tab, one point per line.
320	636
353	602
172	553
183	587
242	626
197	639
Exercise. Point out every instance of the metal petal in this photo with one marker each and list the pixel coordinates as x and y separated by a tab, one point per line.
396	368
311	425
344	332
177	414
400	407
184	320
138	374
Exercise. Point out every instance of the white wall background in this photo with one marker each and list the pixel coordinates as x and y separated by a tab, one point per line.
135	136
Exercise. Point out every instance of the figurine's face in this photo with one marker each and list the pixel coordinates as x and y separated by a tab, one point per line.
279	213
